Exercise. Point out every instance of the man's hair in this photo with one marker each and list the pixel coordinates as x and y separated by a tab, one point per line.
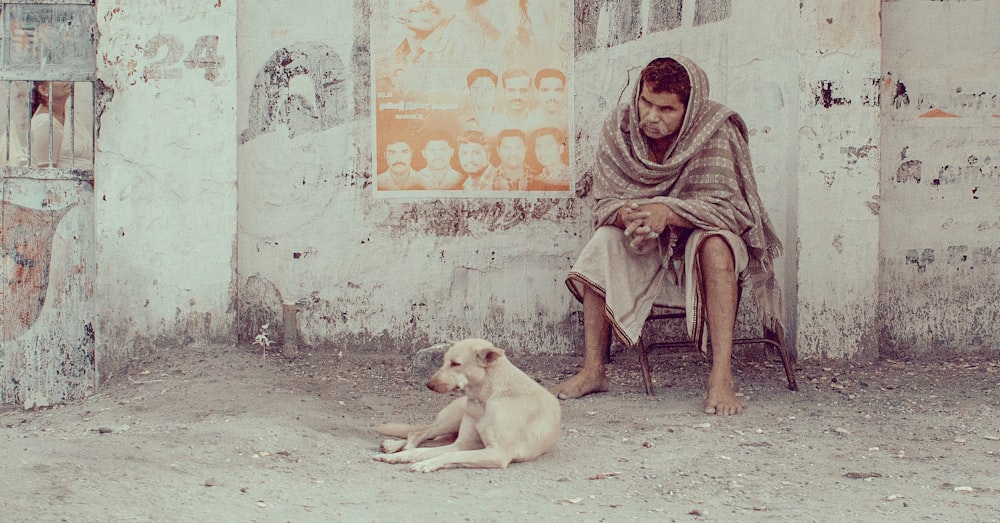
437	135
517	133
481	73
549	73
666	75
472	136
554	132
514	73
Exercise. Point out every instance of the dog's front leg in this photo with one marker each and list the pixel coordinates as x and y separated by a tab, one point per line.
488	458
417	454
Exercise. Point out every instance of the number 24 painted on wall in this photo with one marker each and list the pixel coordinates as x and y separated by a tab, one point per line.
204	54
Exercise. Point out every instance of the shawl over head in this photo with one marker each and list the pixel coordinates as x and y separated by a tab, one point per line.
706	177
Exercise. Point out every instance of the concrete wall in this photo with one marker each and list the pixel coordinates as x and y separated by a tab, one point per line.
886	204
940	174
166	176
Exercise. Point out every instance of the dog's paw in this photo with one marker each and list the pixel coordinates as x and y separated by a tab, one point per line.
391	458
424	466
391	446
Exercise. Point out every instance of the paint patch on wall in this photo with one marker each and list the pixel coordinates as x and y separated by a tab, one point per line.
909	170
709	11
938	113
301	88
665	15
823	94
26	243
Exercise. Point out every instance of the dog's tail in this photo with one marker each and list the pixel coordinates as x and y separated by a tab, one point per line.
396	430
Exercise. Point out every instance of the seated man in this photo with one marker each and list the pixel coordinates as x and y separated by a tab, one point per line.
676	201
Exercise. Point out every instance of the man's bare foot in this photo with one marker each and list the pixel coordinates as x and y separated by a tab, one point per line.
722	399
581	384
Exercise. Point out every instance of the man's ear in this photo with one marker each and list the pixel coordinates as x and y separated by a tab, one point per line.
488	355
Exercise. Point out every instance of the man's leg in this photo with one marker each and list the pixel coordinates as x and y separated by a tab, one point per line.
719	280
597	343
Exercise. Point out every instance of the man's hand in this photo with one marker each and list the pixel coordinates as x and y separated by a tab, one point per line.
643	223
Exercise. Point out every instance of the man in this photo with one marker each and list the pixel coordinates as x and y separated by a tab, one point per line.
517	94
399	176
550	85
435	33
512	148
474	161
675	201
549	145
482	116
438	174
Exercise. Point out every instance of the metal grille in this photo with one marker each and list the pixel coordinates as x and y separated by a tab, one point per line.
47	63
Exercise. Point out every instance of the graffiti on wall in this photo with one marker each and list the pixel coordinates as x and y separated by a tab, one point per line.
471	98
624	23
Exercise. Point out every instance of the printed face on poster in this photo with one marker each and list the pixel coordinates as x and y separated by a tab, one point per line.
471	97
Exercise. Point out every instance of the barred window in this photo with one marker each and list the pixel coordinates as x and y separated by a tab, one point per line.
47	63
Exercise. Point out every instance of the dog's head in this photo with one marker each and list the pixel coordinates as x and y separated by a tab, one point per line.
465	365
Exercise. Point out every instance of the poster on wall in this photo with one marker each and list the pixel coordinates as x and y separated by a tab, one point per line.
471	97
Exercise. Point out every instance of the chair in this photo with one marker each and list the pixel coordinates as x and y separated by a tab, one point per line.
771	339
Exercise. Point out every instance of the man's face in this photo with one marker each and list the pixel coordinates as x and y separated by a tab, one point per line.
660	114
421	15
512	151
471	157
547	150
438	154
516	91
398	155
483	92
550	94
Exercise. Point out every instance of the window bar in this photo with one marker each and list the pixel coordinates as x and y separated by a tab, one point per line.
6	128
71	120
29	154
52	126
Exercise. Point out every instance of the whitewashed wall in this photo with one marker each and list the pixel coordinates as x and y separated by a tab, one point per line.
323	262
940	222
165	175
837	204
327	265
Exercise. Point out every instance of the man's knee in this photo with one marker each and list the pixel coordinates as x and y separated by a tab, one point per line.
716	255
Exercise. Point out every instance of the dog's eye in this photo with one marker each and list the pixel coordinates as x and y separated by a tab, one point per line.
456	364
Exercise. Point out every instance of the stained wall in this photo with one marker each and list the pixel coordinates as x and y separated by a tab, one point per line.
939	258
233	183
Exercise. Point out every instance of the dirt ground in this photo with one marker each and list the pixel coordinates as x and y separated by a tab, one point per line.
219	433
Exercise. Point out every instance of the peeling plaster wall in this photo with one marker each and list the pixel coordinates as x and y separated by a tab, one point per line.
361	273
837	212
325	264
940	229
165	175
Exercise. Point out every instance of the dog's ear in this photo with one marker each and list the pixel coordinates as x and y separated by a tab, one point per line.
488	355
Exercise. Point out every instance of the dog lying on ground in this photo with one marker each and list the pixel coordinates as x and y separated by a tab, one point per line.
503	416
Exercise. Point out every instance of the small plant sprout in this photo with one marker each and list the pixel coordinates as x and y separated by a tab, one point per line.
262	339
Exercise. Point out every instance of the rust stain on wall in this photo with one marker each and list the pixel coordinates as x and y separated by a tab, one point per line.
26	240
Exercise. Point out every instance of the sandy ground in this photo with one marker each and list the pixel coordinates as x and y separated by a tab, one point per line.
217	433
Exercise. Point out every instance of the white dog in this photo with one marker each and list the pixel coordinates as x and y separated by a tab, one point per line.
503	415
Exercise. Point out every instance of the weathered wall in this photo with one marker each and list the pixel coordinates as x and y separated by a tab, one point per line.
166	175
940	219
875	148
837	200
361	273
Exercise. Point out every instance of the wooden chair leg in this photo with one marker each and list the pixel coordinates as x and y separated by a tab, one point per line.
647	378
